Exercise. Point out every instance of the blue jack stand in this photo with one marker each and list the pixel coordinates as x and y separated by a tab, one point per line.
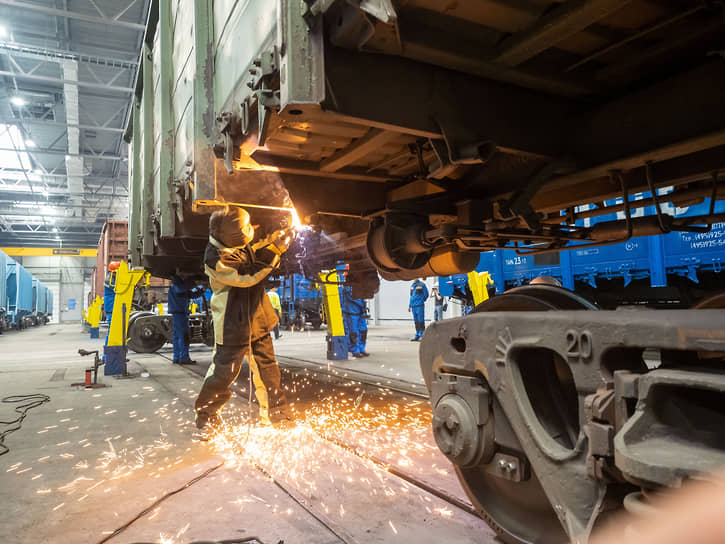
337	347
94	332
115	357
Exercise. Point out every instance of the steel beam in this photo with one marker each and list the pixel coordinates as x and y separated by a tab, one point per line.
555	27
357	149
459	47
166	198
418	99
73	15
28	121
41	151
61	81
53	54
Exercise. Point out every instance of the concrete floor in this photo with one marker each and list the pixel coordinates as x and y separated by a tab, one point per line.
88	461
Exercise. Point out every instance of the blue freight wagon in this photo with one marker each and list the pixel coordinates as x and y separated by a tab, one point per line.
49	303
19	284
4	313
678	268
40	303
301	302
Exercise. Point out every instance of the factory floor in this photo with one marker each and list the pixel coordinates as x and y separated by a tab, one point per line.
90	462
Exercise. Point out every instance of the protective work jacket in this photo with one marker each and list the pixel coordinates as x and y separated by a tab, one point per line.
240	307
109	292
180	292
418	294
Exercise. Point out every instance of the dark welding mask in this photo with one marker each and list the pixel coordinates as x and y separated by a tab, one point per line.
231	227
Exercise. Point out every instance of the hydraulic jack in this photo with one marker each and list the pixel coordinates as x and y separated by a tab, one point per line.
97	361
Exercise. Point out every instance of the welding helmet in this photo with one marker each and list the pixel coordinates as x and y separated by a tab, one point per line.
231	227
113	265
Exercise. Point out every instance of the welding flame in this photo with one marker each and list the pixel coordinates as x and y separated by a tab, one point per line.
295	219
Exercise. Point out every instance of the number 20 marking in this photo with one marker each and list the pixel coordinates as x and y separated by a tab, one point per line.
579	345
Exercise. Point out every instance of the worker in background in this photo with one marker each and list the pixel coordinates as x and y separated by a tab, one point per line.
243	317
354	314
277	305
440	304
109	293
416	304
180	291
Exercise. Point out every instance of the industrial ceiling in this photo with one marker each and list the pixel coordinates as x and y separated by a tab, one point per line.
67	69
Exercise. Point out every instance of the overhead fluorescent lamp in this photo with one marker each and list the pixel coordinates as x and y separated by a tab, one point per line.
30	143
17	101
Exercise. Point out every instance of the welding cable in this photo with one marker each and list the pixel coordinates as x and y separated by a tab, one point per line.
29	402
154	504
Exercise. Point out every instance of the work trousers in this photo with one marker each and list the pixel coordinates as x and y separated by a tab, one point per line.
276	327
180	339
227	363
356	327
419	320
438	312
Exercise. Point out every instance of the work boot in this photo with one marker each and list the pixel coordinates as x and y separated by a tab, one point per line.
280	418
415	339
358	355
185	362
364	354
207	426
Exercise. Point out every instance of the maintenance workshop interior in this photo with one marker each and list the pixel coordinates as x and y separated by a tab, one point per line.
350	271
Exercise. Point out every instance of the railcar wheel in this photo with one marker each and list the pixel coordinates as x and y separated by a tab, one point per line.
519	511
143	338
713	302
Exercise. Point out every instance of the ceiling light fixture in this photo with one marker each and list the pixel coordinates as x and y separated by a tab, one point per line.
17	100
30	143
3	32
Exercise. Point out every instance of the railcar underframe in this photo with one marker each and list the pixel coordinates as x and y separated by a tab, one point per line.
417	134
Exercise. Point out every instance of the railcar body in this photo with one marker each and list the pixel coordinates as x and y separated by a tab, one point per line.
40	313
417	134
19	285
674	270
4	313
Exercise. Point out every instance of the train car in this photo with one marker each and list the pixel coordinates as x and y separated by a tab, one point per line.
414	135
19	285
674	270
49	304
113	246
4	313
301	303
40	303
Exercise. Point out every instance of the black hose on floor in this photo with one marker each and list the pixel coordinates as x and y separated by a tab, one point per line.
28	403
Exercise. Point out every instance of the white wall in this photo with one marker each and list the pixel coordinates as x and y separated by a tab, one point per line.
390	306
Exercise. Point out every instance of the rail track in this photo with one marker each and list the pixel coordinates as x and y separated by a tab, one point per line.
321	384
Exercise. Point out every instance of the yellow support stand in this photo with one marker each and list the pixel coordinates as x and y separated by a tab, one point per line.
193	308
115	350
479	282
93	316
337	345
160	307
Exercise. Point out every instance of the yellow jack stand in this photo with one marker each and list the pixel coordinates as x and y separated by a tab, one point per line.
93	316
115	349
337	345
479	282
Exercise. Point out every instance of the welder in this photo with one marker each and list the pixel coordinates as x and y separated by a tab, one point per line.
354	318
109	293
180	291
416	304
243	317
